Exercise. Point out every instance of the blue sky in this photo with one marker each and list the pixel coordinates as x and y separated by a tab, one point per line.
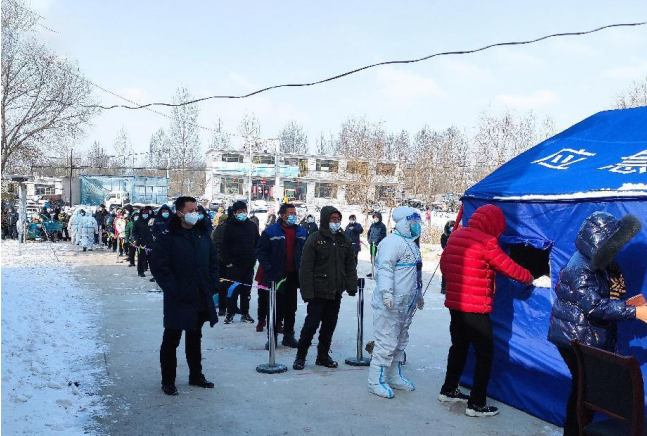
145	49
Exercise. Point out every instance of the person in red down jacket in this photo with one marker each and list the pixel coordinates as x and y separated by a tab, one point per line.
469	265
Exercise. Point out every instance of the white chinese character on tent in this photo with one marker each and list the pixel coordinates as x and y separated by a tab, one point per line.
564	158
631	164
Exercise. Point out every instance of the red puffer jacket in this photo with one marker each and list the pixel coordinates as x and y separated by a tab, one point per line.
471	259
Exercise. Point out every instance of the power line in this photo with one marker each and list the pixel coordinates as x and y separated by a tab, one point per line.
357	70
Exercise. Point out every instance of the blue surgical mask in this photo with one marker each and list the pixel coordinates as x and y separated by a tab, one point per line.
451	229
145	216
415	230
334	227
136	218
241	216
165	214
291	220
311	220
201	216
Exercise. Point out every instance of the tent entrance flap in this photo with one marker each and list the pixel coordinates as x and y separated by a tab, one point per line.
532	254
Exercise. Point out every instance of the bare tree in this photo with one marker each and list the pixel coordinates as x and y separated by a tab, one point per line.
44	97
159	151
250	129
635	96
293	138
220	140
124	153
327	146
184	140
97	156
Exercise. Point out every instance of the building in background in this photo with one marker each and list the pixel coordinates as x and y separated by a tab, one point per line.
301	177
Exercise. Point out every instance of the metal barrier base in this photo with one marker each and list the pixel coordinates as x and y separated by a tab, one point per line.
354	361
266	368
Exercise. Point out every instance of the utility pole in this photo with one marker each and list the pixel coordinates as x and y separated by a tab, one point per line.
249	193
71	157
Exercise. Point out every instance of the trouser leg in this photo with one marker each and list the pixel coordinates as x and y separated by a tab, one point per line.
193	349
168	359
262	304
386	330
141	261
245	296
329	318
480	332
290	291
571	425
457	352
311	324
403	338
131	254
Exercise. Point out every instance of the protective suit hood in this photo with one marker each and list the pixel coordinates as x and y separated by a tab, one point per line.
400	215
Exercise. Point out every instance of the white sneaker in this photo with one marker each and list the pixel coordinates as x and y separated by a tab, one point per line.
396	380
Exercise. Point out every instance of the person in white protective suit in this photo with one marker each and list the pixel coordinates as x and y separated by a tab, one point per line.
73	227
398	291
88	227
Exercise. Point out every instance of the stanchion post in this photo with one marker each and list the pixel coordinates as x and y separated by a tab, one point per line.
359	359
272	367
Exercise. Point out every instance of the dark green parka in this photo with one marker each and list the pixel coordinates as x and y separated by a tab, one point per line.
328	262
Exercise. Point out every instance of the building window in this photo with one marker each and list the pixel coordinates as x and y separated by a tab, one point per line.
303	167
291	161
231	186
384	192
263	159
232	157
326	190
385	169
44	190
357	168
328	166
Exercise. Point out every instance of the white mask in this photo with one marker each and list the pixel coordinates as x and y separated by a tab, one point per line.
192	218
376	220
334	227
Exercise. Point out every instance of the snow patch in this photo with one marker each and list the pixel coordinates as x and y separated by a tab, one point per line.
49	346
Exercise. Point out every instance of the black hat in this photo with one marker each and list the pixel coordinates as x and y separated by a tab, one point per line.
238	205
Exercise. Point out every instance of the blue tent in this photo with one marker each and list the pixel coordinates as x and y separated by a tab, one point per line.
546	193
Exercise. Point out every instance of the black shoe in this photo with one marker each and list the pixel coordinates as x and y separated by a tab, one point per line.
141	275
229	319
132	264
481	411
369	275
169	389
201	382
326	361
222	313
452	397
152	279
246	318
289	340
299	363
84	249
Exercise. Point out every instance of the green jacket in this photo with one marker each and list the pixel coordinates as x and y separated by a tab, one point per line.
129	232
328	263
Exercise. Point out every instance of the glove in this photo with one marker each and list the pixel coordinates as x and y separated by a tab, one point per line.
421	303
388	300
352	294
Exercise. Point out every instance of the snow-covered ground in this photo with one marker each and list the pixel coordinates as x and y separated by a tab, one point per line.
50	346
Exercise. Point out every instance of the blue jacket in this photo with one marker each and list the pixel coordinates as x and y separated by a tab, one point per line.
583	309
377	231
353	234
270	251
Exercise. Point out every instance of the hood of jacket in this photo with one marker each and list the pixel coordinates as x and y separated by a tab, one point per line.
602	236
448	224
324	217
378	215
489	219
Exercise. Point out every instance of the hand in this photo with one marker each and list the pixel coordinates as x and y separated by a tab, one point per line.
230	265
388	300
421	303
641	313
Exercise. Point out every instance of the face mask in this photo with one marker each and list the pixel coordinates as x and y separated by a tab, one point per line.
165	214
334	227
201	216
125	215
192	218
241	216
136	218
352	221
376	220
311	220
145	216
292	220
415	230
451	229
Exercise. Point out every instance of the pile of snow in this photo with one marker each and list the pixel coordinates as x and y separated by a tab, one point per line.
49	345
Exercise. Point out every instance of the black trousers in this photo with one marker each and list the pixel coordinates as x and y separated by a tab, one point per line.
320	312
240	275
131	254
286	303
468	329
142	261
223	287
571	426
192	349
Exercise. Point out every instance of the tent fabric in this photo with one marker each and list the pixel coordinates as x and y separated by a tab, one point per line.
602	156
528	372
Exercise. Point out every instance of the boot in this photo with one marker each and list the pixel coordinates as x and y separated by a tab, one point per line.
396	380
377	383
260	325
289	340
299	363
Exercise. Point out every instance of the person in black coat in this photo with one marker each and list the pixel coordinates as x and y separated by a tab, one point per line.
376	233
449	228
310	225
353	230
239	255
143	240
204	215
185	264
162	221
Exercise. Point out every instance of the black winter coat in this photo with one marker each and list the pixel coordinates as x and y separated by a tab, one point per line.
142	233
583	309
310	227
353	231
328	263
185	265
377	231
239	243
160	224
